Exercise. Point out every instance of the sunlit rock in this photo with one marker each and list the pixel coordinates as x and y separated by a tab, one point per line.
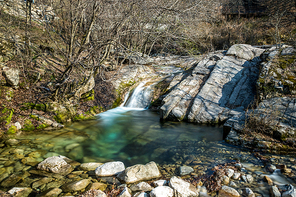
226	191
139	173
56	165
183	188
162	191
142	186
20	191
110	168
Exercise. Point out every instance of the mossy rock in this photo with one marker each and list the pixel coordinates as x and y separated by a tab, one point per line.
12	130
42	126
62	118
28	126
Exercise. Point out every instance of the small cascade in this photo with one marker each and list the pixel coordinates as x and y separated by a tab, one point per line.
140	97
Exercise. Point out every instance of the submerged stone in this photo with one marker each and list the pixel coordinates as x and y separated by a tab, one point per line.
56	165
76	185
20	191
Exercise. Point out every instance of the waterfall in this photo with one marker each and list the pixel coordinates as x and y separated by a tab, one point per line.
140	97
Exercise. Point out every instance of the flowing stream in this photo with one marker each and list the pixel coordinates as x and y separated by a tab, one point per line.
134	135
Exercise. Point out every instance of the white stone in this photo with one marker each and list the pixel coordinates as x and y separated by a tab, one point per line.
162	191
183	188
229	172
110	168
236	175
125	193
160	183
142	186
18	125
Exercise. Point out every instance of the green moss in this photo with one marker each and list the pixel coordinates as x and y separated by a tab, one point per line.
34	117
61	118
89	96
42	126
117	102
39	107
8	119
28	126
12	130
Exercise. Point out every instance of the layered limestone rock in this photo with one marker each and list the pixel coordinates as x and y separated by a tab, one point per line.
221	85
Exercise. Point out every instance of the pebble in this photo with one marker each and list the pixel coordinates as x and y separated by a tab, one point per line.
226	191
229	172
274	191
236	175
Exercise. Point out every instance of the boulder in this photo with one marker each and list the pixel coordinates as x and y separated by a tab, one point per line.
20	191
110	168
140	173
244	51
162	191
55	164
183	188
76	185
11	75
226	191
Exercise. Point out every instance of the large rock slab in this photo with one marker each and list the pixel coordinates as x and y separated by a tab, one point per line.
140	173
183	188
185	87
55	164
217	88
110	168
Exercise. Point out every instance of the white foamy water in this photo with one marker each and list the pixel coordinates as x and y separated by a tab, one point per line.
140	98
